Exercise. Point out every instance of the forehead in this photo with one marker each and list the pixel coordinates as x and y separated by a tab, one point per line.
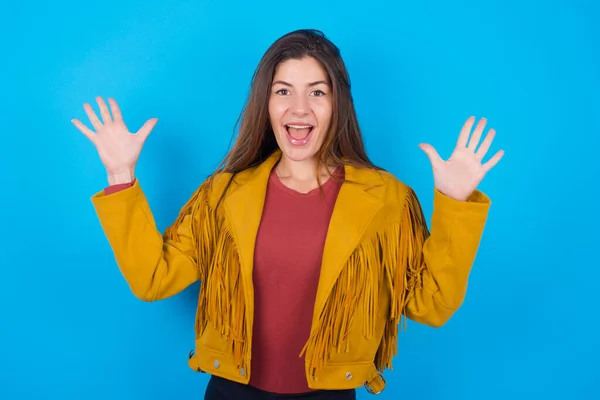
303	70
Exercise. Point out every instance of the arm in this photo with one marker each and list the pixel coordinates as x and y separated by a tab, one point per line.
441	262
154	266
438	265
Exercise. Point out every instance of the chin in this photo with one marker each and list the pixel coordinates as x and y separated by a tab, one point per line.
298	153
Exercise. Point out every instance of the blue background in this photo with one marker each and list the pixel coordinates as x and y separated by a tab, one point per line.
71	329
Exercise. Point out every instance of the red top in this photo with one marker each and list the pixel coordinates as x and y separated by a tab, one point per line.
287	264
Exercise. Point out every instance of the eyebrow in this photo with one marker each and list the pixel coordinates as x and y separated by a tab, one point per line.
311	84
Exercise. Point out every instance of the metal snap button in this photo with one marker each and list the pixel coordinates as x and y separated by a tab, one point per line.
216	364
242	372
348	375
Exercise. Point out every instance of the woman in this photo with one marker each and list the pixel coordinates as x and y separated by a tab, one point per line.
308	254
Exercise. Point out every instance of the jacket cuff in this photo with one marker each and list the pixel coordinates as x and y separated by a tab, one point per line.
477	202
120	192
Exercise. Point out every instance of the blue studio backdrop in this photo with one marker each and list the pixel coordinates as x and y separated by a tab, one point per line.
70	327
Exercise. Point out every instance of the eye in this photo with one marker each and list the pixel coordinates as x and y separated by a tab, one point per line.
282	92
318	93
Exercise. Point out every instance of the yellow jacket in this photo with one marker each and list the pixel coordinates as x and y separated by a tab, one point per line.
380	263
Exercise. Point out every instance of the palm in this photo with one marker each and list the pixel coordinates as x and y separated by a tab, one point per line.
460	175
118	148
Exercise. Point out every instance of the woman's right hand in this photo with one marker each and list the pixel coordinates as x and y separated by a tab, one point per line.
118	148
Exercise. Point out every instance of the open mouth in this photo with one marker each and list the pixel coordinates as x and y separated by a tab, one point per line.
299	134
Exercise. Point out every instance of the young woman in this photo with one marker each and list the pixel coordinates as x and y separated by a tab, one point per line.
309	256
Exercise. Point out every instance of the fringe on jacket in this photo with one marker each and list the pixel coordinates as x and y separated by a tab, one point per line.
389	259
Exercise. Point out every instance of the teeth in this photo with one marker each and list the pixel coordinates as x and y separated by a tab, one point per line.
299	126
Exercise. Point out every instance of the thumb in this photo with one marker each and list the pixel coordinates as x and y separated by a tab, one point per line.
146	129
434	157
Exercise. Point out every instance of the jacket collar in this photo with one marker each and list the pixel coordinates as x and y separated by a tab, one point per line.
354	209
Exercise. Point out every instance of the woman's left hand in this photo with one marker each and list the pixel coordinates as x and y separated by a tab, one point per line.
460	175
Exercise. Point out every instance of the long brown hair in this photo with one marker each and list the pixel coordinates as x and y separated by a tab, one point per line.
343	142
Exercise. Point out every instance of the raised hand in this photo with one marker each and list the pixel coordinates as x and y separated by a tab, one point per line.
460	175
118	148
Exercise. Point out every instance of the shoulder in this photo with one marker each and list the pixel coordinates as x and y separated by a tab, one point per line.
394	186
396	196
382	184
220	183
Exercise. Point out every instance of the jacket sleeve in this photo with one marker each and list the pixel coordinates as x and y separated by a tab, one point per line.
154	266
442	259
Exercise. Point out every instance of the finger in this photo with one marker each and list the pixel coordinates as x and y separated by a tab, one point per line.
477	134
116	111
146	129
464	133
92	116
84	129
485	145
103	110
493	161
433	155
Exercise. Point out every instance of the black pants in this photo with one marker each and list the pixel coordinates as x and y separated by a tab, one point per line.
223	389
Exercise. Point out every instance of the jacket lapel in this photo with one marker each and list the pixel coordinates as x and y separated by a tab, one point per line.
354	210
244	208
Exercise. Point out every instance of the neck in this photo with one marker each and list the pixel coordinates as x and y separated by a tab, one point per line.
301	171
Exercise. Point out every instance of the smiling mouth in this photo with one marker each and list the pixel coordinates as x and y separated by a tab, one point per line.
299	134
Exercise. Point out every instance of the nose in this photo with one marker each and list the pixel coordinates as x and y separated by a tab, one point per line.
300	106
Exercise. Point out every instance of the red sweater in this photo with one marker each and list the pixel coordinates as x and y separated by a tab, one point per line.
287	264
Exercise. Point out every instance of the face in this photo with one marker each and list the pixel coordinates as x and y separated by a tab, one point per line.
300	107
